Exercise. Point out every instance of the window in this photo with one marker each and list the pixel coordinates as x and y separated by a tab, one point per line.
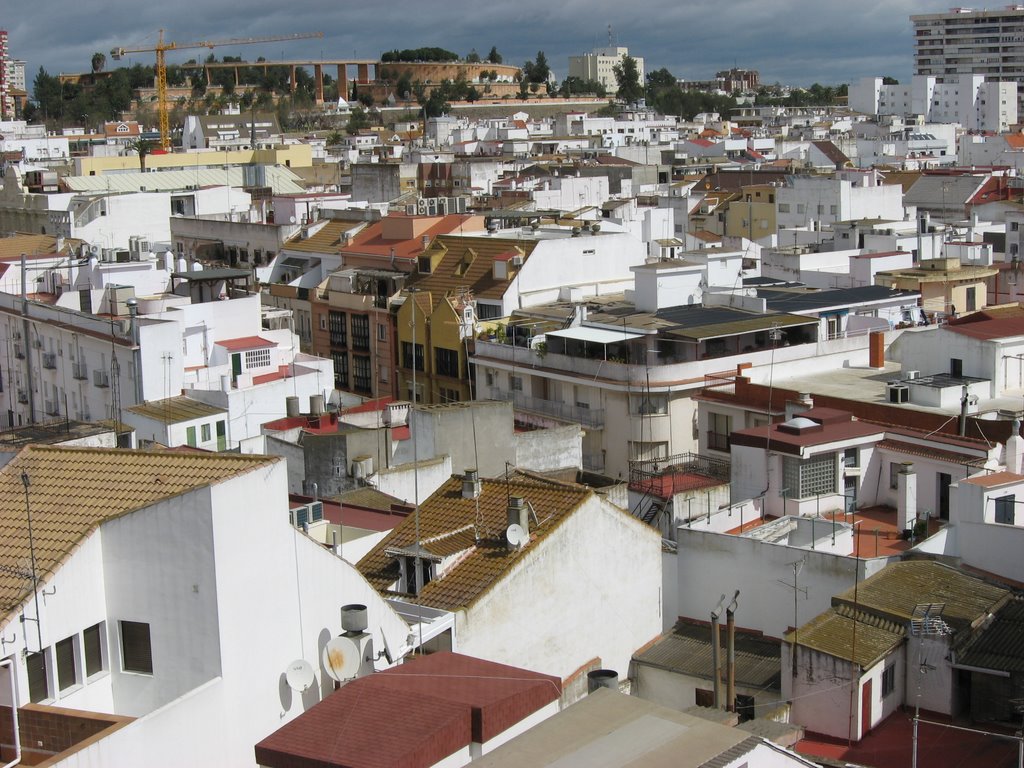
340	369
813	477
382	332
894	474
851	457
204	432
407	355
67	672
1004	509
338	329
190	436
972	298
719	427
488	311
446	362
888	680
449	395
257	358
38	685
515	383
361	332
361	373
703	698
92	642
323	322
783	207
744	707
136	652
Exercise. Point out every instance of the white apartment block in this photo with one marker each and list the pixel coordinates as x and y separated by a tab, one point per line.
599	64
972	101
849	195
968	41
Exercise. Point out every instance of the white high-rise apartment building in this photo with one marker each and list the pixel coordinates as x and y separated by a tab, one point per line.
966	41
599	65
970	100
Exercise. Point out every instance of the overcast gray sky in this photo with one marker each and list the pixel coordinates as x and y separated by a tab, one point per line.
790	41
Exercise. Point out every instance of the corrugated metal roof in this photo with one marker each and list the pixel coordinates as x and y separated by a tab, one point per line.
687	650
897	589
281	180
1000	645
833	634
173	410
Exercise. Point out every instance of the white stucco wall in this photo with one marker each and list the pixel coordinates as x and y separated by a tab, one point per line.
573	599
711	564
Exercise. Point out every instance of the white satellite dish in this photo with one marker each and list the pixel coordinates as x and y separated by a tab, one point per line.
299	675
516	535
341	658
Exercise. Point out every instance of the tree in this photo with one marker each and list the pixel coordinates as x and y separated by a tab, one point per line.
494	57
890	81
627	77
334	138
576	86
143	147
660	79
540	71
99	61
357	120
473	57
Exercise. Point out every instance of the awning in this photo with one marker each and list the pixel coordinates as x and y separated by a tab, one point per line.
595	335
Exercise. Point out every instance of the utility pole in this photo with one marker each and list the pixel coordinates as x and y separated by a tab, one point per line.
797	566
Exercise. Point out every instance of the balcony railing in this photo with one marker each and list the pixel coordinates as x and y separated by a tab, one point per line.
588	417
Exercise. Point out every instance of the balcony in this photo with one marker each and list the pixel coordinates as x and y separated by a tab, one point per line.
588	417
79	371
101	378
50	360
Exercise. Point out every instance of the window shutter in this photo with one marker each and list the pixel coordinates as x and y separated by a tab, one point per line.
136	652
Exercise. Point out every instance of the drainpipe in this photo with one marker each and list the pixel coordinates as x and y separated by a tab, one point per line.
716	661
25	341
133	314
730	664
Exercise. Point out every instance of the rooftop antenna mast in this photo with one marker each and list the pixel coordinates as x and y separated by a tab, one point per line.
609	35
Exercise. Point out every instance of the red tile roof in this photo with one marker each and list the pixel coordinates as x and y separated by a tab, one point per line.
244	343
412	715
982	325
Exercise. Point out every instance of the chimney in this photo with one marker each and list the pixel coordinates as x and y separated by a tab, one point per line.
471	484
602	678
426	241
803	402
730	663
291	406
906	498
518	514
1015	449
876	349
716	661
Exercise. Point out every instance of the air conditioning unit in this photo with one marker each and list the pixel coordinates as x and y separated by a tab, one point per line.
442	206
421	207
79	371
899	393
913	375
432	206
516	261
101	378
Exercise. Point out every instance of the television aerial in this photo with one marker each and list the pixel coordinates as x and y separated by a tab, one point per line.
299	675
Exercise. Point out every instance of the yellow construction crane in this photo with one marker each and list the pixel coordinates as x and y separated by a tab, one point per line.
161	49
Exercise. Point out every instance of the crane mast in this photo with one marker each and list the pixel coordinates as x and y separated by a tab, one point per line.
161	49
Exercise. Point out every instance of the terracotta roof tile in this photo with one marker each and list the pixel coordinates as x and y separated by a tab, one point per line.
447	522
73	490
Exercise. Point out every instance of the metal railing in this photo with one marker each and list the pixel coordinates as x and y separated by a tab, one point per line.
644	473
588	417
